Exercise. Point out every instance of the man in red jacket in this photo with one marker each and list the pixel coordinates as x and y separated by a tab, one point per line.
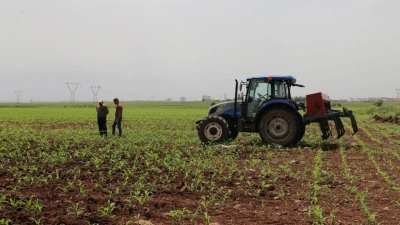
118	117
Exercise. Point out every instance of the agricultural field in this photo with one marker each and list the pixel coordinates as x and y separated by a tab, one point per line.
56	169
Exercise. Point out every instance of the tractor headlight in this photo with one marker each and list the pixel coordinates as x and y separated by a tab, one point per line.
216	108
220	107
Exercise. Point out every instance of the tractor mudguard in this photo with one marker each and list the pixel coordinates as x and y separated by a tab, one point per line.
274	103
271	102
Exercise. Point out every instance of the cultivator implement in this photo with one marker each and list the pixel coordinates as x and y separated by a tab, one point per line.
319	111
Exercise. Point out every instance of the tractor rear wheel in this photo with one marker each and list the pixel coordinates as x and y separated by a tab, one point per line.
301	129
280	126
213	129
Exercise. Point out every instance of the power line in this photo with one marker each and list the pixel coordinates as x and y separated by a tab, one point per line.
345	66
18	93
343	72
95	90
380	43
358	74
72	89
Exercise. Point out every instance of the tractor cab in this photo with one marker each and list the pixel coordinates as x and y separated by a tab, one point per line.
260	90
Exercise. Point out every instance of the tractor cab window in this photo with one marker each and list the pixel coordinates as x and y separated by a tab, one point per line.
280	89
259	92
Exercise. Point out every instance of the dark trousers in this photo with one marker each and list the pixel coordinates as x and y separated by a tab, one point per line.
119	127
102	122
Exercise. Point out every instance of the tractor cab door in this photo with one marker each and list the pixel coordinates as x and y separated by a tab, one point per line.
258	91
281	90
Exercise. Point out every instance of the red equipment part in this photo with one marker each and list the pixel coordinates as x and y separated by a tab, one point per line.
318	110
317	104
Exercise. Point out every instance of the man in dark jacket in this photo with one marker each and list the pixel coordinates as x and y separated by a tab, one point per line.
102	112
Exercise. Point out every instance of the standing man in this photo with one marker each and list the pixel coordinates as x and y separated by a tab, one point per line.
102	112
118	117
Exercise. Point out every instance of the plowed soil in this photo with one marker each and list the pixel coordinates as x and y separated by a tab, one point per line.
285	197
389	119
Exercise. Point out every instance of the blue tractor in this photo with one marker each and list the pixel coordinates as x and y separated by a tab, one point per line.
267	108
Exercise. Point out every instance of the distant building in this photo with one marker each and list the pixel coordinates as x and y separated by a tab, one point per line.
183	99
206	98
169	99
373	99
389	99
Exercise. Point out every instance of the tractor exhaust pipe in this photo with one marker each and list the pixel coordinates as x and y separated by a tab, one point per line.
236	90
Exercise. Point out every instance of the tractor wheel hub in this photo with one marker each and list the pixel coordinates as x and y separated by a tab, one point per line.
213	131
278	128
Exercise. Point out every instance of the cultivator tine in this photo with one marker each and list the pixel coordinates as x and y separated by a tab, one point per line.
325	129
339	126
349	114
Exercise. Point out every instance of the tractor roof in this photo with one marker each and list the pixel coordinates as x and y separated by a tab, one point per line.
289	78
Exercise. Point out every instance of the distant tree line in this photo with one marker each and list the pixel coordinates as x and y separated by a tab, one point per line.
299	98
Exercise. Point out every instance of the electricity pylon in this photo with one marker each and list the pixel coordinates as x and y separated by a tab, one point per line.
398	94
18	93
72	89
95	90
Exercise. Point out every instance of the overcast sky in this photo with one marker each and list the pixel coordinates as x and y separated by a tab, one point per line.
158	49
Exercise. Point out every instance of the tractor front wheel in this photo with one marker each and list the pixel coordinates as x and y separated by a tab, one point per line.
280	126
213	129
